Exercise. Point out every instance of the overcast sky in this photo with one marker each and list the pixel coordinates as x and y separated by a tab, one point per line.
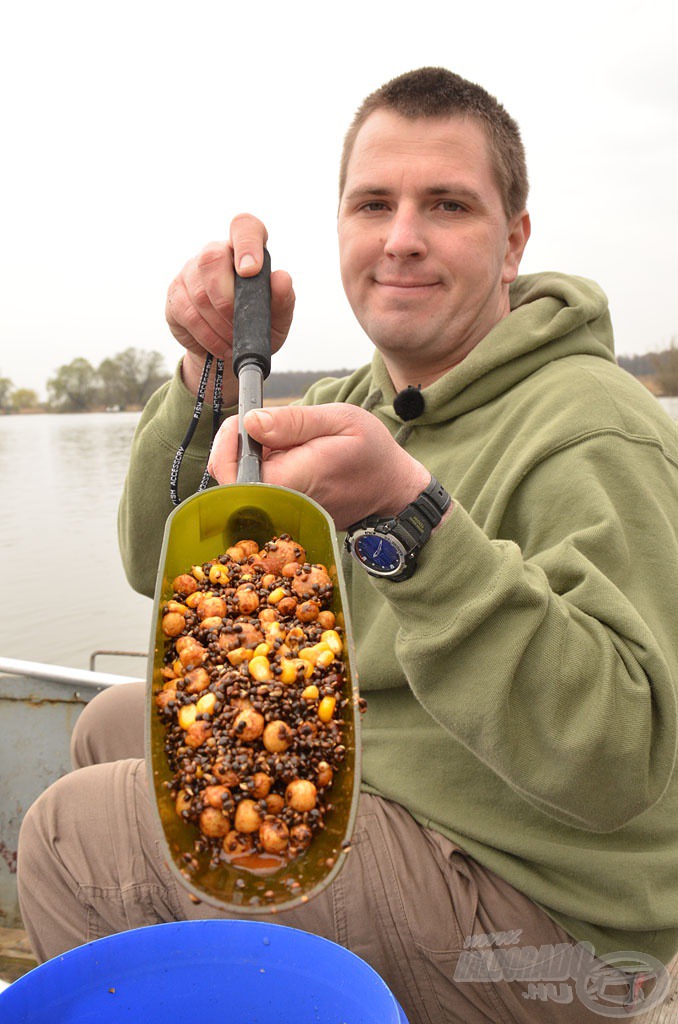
133	131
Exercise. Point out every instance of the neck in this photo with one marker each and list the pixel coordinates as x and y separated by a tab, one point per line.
415	374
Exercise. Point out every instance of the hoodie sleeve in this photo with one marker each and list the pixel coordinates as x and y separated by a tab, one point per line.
553	656
145	503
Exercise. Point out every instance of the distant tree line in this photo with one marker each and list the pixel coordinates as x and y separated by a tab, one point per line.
128	379
662	367
639	366
293	383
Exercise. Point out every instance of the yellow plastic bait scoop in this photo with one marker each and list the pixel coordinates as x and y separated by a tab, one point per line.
200	529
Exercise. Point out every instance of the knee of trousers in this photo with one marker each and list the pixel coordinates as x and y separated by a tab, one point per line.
110	727
49	827
70	827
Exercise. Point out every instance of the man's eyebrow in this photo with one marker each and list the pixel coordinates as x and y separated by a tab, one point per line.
455	191
458	191
368	190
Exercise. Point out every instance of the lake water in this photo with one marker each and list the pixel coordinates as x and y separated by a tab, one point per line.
65	593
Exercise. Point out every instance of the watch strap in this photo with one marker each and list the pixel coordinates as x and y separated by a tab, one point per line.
411	527
426	511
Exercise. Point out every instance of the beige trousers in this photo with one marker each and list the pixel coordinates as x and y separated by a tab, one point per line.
427	917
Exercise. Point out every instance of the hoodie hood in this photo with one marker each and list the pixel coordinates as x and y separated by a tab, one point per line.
552	316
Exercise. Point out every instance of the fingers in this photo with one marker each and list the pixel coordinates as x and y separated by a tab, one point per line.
282	307
340	455
200	300
291	426
247	241
223	462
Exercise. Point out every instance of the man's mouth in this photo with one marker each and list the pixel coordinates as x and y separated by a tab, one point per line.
405	284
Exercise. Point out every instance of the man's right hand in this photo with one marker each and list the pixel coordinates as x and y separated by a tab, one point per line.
199	306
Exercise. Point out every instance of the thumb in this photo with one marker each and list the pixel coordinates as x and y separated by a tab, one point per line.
289	426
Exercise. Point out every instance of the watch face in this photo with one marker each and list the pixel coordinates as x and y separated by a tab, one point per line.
378	553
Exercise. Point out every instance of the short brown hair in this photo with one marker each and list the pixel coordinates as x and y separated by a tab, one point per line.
437	92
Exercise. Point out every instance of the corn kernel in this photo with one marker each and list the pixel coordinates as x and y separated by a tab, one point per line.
205	705
313	653
187	715
307	666
178	668
311	692
288	671
262	650
326	708
333	640
260	669
276	595
219	574
274	631
239	655
325	659
177	606
198	572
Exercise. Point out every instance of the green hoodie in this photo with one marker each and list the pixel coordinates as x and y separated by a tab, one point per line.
521	685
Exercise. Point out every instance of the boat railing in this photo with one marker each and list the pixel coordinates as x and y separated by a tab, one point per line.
39	705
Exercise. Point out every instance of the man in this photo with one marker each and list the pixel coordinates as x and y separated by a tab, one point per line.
519	744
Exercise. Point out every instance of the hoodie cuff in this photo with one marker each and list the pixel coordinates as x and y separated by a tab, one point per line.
458	569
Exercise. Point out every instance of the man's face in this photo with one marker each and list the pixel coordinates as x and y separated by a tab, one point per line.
427	252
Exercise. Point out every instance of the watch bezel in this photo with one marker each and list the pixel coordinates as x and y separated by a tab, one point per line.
407	532
381	532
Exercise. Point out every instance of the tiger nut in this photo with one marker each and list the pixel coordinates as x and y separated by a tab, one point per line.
248	816
197	733
248	725
196	680
277	736
247	600
273	835
173	623
184	584
214	823
261	785
236	844
213	795
210	607
301	795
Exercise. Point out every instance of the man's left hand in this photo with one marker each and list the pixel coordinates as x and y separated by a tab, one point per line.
340	455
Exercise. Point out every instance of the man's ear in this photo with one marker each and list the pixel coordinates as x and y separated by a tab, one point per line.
519	229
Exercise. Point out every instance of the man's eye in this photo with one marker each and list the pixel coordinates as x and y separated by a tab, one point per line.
449	206
374	206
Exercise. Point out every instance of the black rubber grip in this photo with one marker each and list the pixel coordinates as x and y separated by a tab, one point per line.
252	320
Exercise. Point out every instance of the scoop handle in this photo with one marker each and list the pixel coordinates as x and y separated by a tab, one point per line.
252	320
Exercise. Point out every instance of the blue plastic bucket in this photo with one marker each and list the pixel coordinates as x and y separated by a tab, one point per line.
229	972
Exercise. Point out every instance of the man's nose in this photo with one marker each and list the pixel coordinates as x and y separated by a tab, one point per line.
405	237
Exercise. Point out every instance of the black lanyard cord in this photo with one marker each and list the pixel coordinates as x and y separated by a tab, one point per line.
197	411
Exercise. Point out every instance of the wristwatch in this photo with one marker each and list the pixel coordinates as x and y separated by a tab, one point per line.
389	547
